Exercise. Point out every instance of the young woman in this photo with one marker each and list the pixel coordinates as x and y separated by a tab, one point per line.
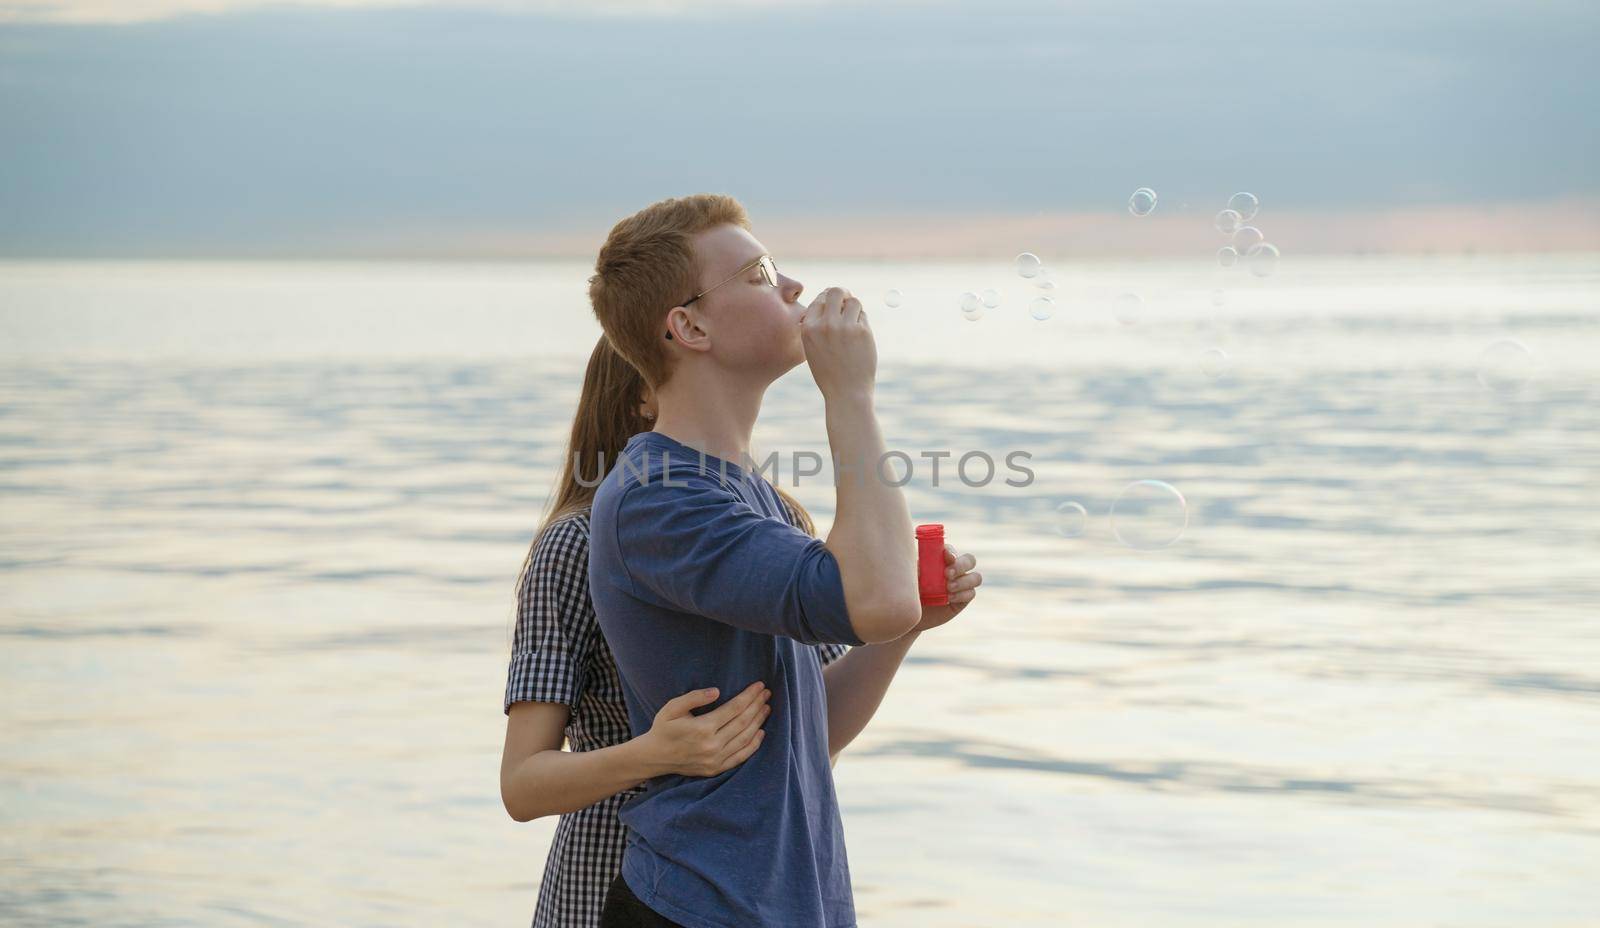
562	683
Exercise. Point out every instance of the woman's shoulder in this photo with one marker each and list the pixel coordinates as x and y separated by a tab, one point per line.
561	547
569	531
578	518
553	591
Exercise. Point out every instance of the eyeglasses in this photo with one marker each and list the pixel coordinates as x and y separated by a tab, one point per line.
769	272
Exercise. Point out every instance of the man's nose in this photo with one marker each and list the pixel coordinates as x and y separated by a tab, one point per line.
791	288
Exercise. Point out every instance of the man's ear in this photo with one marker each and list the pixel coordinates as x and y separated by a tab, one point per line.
683	326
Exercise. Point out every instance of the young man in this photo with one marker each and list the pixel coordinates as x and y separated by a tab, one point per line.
698	581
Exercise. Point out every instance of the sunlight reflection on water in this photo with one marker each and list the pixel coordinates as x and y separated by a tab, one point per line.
258	573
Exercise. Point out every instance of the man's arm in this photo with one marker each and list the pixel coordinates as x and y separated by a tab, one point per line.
872	536
857	682
687	541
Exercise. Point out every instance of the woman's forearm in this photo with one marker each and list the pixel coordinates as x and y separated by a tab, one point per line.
556	782
856	684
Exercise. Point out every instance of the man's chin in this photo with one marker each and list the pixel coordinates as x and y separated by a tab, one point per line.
772	368
796	357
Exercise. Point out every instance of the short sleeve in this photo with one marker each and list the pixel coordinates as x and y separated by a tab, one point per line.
827	652
695	546
554	615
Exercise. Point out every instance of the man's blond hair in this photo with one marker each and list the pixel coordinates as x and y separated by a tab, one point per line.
646	267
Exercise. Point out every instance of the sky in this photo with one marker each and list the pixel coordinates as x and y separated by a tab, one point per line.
201	127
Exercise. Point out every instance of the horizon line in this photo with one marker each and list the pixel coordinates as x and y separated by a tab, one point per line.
1567	225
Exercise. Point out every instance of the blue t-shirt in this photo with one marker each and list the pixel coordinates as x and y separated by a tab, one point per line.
699	581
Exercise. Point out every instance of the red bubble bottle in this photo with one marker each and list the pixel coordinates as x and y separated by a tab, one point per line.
931	584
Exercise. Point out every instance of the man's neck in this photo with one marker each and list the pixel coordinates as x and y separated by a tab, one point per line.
709	414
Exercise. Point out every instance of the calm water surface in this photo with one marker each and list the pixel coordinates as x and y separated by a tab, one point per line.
261	524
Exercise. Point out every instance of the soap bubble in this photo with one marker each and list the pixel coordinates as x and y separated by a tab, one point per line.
1149	514
970	302
1214	362
1505	366
1219	298
1129	307
1228	221
1245	204
1072	520
1246	238
991	298
1042	308
1045	285
1043	277
1028	264
893	299
972	315
1263	259
1143	202
1227	256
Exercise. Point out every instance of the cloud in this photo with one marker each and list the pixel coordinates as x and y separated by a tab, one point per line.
133	11
263	129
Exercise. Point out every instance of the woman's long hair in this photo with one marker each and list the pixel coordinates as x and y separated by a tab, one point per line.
608	415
